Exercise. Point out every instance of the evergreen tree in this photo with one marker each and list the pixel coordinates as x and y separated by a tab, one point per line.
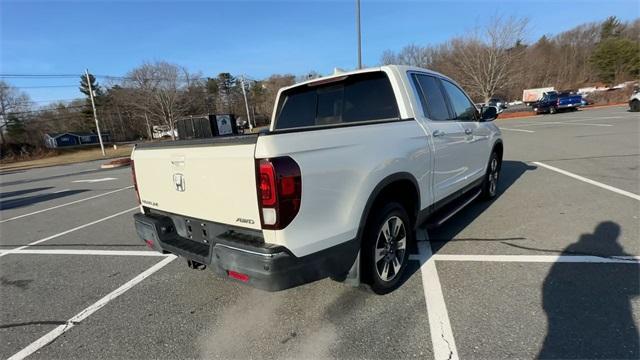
226	84
98	96
610	28
615	57
15	128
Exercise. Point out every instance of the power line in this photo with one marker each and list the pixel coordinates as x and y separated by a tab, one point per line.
114	77
47	86
39	75
52	100
45	110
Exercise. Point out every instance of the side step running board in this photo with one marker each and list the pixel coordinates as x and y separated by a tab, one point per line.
439	219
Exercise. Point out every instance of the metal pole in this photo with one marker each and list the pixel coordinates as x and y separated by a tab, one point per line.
246	103
359	35
95	114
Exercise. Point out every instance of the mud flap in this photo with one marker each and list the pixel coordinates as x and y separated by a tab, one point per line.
353	276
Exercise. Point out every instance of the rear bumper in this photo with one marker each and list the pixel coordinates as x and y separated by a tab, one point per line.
566	106
229	249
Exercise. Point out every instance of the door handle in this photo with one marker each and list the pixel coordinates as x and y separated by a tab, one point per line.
468	131
438	133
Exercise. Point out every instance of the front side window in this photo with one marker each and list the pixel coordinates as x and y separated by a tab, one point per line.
356	98
431	97
462	106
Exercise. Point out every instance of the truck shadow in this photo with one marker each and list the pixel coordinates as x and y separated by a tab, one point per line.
510	173
8	194
30	200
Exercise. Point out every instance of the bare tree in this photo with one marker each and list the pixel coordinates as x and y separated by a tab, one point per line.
11	101
161	87
412	54
483	62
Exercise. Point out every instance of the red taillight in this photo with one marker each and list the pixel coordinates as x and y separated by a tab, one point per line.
279	191
135	182
267	183
558	102
238	276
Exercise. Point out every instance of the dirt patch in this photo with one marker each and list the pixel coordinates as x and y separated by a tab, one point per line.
518	114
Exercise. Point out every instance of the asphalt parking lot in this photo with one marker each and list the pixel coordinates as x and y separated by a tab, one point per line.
550	269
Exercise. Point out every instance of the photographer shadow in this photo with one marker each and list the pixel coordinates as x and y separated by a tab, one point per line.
588	305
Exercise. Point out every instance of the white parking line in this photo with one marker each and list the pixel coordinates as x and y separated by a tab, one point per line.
66	204
589	181
67	231
444	345
85	252
541	258
595	118
564	123
94	180
520	130
53	334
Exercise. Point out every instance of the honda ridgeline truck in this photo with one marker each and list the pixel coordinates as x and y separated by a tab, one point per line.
351	165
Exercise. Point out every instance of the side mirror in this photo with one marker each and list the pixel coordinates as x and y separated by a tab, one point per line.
489	113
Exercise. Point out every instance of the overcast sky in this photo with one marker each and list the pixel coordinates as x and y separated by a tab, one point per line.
241	37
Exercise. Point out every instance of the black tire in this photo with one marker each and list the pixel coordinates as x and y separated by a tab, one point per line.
491	178
635	106
553	110
380	253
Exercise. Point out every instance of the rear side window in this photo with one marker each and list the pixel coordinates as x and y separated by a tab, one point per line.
357	98
463	107
431	97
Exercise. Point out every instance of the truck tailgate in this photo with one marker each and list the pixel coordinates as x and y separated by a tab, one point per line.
570	100
214	181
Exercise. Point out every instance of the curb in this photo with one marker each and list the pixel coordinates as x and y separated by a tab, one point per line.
117	163
586	108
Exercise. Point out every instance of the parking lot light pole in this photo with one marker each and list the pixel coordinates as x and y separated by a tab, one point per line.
95	114
246	103
359	35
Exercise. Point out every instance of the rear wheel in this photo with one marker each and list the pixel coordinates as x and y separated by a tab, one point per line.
490	184
635	106
386	247
553	110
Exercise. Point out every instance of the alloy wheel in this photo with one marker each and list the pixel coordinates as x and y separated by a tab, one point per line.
493	177
391	248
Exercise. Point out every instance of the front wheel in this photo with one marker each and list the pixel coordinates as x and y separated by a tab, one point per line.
386	248
490	184
635	106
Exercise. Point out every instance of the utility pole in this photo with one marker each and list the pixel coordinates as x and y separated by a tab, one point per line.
95	114
359	35
246	103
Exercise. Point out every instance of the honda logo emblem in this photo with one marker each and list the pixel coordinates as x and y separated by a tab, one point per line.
178	181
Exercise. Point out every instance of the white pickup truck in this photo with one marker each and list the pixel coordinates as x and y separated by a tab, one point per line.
351	165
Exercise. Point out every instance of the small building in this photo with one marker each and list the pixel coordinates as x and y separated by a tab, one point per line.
71	139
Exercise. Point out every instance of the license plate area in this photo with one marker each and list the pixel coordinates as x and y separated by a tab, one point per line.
197	231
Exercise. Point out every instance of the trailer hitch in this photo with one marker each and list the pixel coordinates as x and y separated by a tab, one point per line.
196	265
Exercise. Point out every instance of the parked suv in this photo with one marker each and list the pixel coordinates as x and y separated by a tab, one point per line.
351	164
